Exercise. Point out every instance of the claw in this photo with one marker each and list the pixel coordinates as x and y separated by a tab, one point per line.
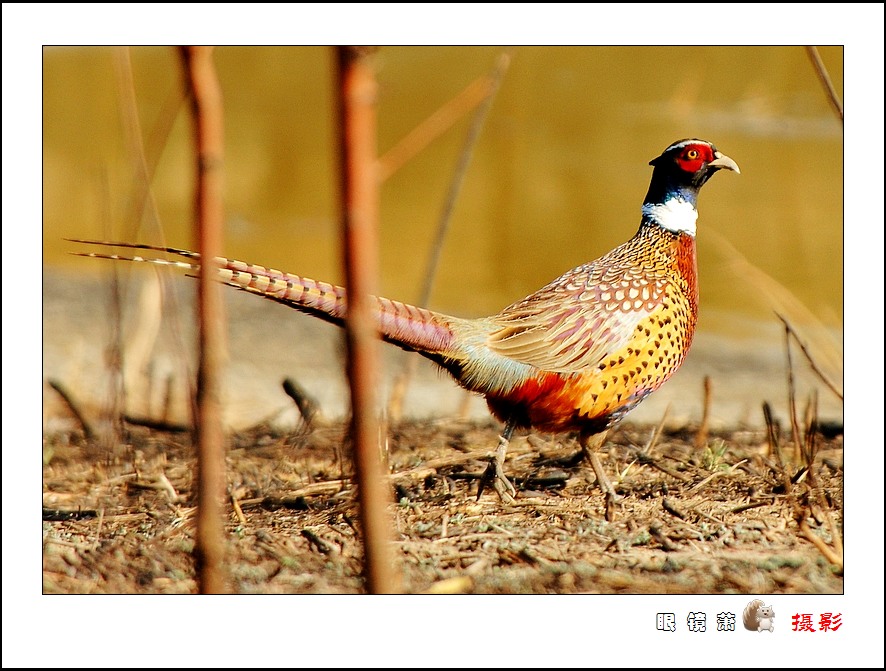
495	473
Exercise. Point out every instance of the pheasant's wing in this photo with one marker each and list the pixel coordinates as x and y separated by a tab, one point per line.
580	319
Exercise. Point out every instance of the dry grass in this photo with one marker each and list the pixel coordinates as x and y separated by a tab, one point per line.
710	520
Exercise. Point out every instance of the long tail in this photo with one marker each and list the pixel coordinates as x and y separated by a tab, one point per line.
406	326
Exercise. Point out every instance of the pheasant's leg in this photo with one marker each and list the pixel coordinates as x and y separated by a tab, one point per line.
589	445
495	471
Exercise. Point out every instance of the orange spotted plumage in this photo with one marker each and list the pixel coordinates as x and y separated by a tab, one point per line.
576	355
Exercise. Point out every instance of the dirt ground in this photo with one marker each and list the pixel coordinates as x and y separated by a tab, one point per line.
119	510
725	518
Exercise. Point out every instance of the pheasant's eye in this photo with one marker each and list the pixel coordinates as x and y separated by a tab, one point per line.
692	154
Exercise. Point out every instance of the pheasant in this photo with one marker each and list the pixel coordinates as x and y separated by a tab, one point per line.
576	355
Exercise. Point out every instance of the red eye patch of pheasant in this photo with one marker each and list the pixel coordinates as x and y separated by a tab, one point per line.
693	156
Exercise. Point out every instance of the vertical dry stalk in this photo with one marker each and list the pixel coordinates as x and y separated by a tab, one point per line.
129	118
114	352
792	399
810	427
360	191
771	430
772	436
207	111
166	408
701	437
144	155
114	358
141	212
142	208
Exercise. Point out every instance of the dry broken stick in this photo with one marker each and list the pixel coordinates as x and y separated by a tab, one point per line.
157	424
73	407
307	405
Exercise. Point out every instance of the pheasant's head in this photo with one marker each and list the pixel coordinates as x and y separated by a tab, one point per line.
679	173
683	168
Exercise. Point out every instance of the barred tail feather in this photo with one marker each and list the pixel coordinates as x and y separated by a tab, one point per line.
404	325
414	328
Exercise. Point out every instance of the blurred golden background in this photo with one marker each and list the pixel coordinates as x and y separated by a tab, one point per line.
556	178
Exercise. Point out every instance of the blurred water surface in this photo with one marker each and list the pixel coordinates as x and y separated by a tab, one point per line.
556	179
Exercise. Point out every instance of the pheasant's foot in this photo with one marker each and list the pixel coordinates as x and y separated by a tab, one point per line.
495	473
602	479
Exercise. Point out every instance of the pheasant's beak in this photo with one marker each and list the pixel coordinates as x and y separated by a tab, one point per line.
723	161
